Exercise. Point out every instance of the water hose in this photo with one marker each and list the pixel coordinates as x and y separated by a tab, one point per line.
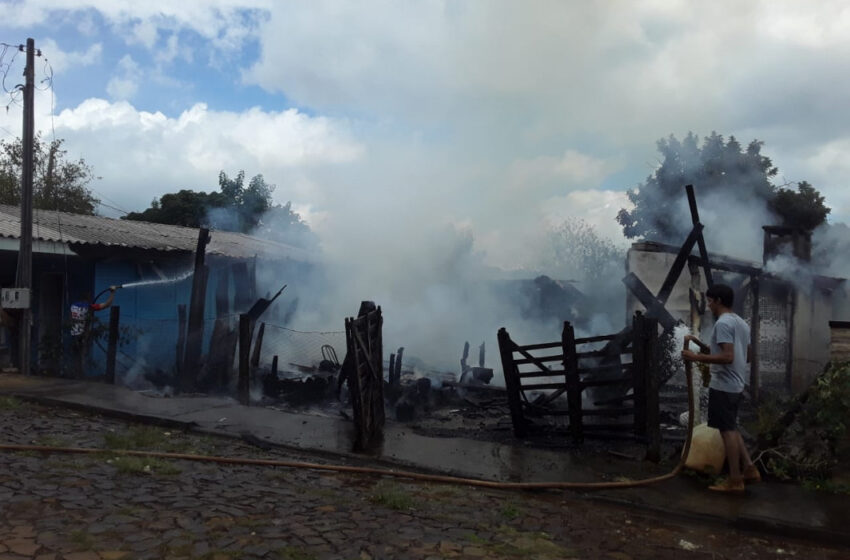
103	291
445	479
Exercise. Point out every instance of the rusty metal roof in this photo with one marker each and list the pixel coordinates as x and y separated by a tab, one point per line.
79	229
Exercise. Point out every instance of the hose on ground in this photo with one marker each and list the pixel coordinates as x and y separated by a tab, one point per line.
444	479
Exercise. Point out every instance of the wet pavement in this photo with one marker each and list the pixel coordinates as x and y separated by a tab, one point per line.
80	507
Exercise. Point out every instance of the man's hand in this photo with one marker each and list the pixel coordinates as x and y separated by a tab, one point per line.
689	355
113	288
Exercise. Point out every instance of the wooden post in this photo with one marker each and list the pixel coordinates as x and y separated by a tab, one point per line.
181	337
639	372
512	382
24	271
195	337
755	335
573	383
274	366
244	382
258	346
112	348
653	386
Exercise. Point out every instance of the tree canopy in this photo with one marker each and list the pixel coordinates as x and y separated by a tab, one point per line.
58	184
724	168
234	207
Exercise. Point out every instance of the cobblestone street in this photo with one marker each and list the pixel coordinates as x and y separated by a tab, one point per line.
108	506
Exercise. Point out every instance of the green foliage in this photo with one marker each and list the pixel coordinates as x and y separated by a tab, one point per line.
806	448
57	184
9	403
803	207
184	208
719	167
391	496
234	207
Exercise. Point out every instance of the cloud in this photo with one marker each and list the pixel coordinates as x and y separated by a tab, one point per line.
226	23
68	60
142	155
125	85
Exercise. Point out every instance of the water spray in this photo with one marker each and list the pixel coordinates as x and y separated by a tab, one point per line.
144	283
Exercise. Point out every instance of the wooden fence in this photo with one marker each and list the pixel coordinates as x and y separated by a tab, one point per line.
597	382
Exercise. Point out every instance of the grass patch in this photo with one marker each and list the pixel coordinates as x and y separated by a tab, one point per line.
518	544
128	464
825	485
391	496
10	403
51	441
81	540
510	511
137	437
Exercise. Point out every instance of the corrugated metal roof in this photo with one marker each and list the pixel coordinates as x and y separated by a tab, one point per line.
79	229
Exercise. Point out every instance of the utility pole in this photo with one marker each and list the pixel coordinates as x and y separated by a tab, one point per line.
23	280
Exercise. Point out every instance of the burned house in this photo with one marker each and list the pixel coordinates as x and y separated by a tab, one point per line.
793	306
77	257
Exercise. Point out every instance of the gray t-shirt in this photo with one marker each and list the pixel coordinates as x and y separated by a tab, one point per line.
732	378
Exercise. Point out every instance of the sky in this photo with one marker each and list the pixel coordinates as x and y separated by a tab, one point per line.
391	122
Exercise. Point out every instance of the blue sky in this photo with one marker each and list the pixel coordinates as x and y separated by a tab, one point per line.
491	119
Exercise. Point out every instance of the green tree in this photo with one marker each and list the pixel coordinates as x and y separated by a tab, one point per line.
184	208
234	207
719	167
803	207
58	184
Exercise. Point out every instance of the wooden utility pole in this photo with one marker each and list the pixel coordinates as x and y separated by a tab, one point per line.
23	278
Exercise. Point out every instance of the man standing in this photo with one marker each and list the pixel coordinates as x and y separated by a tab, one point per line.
729	356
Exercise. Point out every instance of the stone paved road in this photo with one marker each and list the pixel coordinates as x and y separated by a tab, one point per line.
105	507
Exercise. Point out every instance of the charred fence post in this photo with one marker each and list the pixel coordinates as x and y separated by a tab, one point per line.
194	340
646	357
363	368
639	372
112	348
258	346
243	385
512	382
573	383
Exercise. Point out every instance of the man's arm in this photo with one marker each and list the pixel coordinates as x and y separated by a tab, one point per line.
108	302
702	345
726	355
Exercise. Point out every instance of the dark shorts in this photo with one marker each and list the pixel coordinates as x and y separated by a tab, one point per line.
723	410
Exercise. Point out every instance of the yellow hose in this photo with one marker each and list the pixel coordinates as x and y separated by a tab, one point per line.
388	472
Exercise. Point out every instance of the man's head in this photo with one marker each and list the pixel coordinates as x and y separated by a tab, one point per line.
720	299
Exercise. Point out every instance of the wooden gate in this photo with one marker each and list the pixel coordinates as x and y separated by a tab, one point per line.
363	337
627	364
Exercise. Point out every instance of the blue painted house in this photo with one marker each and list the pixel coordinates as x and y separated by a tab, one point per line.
77	257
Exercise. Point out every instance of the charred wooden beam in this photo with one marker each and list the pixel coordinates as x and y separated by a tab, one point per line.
654	308
692	204
194	339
